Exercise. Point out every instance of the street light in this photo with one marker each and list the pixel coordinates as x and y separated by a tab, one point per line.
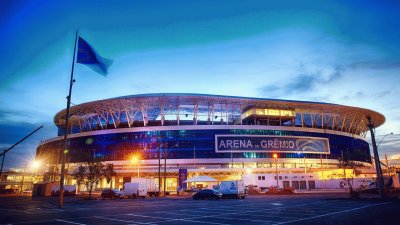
36	164
391	133
387	163
275	156
136	160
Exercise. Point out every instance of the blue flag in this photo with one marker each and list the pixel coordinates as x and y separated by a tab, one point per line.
86	55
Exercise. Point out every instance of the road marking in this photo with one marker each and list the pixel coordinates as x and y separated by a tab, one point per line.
69	222
188	220
126	221
276	204
250	220
333	213
172	219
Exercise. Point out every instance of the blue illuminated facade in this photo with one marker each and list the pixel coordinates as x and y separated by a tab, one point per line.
180	144
183	128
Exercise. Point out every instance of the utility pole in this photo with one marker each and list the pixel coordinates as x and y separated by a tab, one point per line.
159	164
379	175
22	182
276	169
165	168
387	165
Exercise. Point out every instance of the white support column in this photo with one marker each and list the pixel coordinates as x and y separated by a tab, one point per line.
128	119
302	119
212	114
112	118
227	113
333	121
162	115
323	120
144	114
344	120
240	113
208	115
80	125
99	121
351	124
312	119
196	111
359	126
177	115
221	114
88	121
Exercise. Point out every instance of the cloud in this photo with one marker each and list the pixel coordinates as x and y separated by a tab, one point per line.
299	84
303	83
376	64
18	115
383	94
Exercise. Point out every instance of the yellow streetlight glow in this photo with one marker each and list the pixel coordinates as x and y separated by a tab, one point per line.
275	156
36	164
135	159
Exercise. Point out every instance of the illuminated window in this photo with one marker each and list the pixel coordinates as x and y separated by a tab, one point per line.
269	112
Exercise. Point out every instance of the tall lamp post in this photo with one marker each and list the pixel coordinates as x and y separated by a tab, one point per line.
276	169
22	182
391	133
165	168
387	163
378	168
136	160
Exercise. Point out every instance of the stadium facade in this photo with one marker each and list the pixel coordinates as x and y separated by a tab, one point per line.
221	136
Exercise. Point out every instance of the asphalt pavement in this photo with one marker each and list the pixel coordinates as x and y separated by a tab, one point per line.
330	209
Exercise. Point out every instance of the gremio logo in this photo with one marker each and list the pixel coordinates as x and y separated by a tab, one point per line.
270	143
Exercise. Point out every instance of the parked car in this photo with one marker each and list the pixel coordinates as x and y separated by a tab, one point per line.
207	194
111	193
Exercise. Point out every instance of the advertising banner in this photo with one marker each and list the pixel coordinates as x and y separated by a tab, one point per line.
226	143
182	176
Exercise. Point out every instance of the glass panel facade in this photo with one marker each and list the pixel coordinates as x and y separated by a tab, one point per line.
186	144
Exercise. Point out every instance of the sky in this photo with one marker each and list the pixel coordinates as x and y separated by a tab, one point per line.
342	52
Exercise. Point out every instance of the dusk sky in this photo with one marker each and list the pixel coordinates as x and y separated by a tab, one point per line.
343	52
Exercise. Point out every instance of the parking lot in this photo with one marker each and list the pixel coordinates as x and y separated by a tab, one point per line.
291	209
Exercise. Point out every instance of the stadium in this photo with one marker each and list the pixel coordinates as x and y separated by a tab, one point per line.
223	137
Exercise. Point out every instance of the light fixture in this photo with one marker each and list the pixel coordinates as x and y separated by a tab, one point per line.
36	164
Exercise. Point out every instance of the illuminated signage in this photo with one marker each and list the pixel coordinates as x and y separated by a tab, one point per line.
182	176
270	143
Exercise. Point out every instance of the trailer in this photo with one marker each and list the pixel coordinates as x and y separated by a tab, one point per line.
135	189
151	186
232	189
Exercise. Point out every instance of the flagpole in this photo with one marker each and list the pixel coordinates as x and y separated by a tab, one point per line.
65	149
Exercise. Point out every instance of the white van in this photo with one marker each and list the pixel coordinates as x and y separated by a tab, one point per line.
232	189
152	187
135	189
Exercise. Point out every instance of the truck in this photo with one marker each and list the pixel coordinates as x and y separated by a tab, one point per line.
152	187
232	189
135	189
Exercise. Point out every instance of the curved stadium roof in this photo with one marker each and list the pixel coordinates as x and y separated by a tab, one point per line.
152	107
